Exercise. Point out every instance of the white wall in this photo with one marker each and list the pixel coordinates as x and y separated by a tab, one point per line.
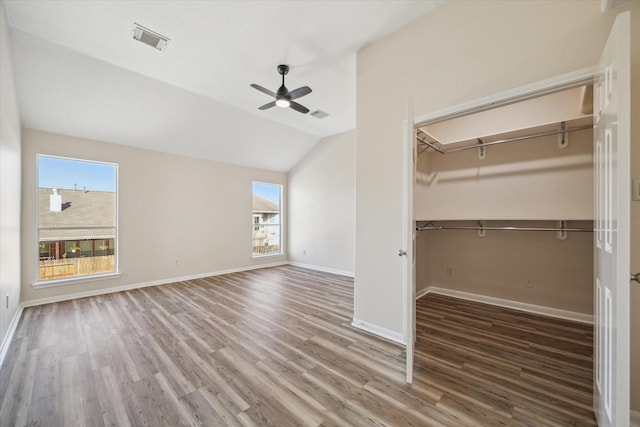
322	207
170	207
462	51
9	185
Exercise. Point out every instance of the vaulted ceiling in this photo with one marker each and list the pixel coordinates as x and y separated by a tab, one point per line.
80	72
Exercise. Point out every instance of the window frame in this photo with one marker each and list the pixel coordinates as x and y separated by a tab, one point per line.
280	223
40	283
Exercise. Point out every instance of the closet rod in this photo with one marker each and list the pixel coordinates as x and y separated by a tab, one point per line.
459	227
520	138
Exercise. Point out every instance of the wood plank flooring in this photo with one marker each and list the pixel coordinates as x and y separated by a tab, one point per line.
274	347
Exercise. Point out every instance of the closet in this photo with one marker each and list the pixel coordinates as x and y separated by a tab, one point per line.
504	207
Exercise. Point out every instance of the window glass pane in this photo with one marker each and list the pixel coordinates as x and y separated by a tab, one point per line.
266	240
45	250
76	217
266	227
86	248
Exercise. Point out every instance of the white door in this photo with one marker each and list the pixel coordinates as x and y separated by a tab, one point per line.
611	252
408	240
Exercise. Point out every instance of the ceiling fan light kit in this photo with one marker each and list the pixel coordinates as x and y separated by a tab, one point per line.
284	98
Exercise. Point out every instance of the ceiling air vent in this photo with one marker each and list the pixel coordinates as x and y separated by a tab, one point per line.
149	37
319	114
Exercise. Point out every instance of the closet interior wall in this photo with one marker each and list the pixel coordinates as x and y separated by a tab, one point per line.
521	184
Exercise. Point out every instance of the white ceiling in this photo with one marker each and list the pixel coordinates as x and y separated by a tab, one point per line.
79	71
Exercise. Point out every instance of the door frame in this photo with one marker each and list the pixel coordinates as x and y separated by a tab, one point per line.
570	80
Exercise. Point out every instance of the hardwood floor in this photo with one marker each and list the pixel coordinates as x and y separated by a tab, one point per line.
274	347
497	366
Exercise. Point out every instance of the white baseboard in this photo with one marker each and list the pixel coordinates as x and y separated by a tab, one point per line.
422	292
379	331
6	341
516	305
634	418
67	297
323	269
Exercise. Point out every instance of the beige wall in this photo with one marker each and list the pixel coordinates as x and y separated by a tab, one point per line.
321	206
9	184
524	180
462	51
635	205
528	180
170	207
501	263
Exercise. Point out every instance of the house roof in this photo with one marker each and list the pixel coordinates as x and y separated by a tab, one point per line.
262	205
79	209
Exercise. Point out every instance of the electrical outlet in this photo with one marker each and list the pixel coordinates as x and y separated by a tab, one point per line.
304	252
529	284
449	272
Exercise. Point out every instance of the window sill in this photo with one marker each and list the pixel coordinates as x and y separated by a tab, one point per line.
73	280
267	255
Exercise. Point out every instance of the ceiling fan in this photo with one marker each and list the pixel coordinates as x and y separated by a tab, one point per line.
284	98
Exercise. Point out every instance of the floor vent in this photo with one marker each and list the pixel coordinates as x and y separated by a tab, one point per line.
150	38
319	114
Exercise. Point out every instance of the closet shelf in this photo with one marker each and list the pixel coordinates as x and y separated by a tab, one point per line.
422	136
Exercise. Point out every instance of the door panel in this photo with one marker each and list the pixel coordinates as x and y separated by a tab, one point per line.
611	249
408	239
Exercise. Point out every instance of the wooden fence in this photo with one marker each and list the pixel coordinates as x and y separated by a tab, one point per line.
59	268
265	250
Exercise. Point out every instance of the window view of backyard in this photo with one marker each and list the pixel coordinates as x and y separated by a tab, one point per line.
266	227
76	218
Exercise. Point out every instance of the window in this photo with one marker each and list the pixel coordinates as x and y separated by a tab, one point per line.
77	221
267	214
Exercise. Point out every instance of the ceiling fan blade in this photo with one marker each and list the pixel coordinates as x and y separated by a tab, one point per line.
299	108
300	92
263	89
268	105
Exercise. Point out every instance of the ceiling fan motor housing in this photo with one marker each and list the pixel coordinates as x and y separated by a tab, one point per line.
283	69
283	93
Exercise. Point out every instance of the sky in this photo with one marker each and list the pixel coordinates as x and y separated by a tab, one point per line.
56	172
270	192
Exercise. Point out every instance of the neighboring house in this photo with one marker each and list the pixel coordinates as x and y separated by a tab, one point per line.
266	229
75	223
76	232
